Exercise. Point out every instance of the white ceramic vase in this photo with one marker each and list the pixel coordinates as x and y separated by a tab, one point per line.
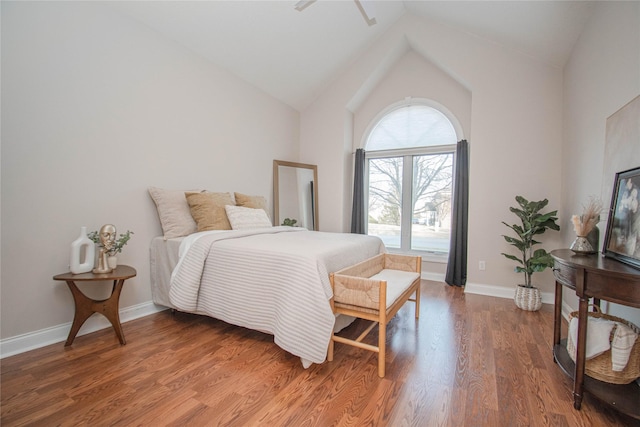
80	262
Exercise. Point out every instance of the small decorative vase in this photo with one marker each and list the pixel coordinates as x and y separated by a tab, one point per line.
79	262
594	238
581	246
112	262
527	298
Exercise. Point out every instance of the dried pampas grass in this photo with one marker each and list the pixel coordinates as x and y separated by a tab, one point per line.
584	223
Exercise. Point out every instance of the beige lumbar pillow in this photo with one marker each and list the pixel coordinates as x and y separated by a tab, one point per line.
207	209
254	202
242	218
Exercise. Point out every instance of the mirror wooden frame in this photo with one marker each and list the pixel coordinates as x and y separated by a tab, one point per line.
276	189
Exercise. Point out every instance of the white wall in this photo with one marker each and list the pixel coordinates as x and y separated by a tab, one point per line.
413	76
602	76
416	77
95	109
515	134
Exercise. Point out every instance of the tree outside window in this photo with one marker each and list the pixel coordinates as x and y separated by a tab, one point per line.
410	179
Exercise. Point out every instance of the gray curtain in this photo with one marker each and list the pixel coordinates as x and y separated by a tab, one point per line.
457	265
357	211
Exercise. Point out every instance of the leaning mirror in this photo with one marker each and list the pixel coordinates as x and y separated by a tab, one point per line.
295	194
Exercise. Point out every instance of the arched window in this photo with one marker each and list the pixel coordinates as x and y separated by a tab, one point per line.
410	152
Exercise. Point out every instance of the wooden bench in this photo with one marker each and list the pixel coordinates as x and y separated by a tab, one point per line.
375	289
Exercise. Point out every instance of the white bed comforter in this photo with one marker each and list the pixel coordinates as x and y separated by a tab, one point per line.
274	280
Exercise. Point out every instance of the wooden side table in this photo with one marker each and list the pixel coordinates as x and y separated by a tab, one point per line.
86	306
600	278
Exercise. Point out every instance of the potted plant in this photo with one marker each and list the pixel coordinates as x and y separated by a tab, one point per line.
115	249
533	223
289	222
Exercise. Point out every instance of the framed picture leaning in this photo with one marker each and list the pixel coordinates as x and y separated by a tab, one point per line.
622	239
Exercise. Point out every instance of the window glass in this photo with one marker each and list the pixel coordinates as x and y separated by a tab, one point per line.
409	190
410	127
385	199
432	186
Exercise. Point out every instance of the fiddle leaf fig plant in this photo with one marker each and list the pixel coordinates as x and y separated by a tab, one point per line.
532	223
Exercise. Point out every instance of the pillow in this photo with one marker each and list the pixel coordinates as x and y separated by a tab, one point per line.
173	211
598	336
255	202
242	218
207	209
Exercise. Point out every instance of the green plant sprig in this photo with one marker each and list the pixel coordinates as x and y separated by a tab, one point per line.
290	222
124	238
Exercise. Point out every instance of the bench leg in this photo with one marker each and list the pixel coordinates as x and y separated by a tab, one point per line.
418	302
382	338
330	351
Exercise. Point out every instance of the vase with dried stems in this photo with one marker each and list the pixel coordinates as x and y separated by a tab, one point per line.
585	226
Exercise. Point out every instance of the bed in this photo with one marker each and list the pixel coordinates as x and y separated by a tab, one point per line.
272	279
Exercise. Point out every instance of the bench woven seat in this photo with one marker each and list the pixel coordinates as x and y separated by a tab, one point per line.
375	290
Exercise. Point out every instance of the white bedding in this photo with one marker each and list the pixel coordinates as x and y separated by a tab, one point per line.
274	280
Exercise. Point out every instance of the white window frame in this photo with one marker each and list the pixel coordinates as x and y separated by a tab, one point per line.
407	179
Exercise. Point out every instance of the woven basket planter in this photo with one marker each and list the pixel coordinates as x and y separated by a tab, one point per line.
528	298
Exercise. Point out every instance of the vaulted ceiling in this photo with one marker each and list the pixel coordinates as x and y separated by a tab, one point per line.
293	54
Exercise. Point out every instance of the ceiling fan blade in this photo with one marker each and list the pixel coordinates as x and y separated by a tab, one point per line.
367	9
303	4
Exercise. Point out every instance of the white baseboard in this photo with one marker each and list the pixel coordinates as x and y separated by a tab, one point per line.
32	340
502	292
497	291
435	277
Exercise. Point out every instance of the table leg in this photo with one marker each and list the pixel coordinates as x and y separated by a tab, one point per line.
578	381
109	308
83	311
85	307
557	321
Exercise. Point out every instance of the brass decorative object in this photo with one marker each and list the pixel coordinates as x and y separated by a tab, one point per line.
107	241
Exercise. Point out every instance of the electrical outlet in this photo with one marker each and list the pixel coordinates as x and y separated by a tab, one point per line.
482	266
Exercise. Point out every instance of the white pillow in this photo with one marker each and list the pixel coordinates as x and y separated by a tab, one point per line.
242	218
598	335
173	211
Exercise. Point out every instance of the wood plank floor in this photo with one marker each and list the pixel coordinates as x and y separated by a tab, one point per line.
469	361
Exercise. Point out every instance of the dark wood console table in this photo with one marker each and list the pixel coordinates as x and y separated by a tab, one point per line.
593	276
